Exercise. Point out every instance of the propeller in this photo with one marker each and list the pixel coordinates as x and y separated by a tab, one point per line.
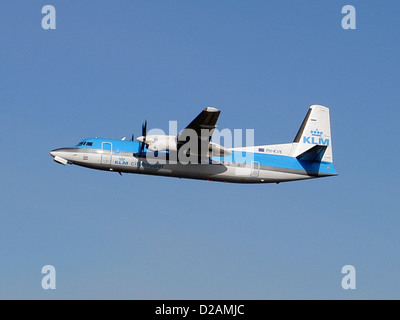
144	132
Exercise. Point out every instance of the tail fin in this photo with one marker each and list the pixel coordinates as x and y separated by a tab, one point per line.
314	131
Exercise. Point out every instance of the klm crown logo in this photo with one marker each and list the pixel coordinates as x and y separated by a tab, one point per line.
316	138
316	133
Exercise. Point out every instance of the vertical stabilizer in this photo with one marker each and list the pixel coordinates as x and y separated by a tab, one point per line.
314	131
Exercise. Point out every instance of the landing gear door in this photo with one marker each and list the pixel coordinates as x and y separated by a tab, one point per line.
106	152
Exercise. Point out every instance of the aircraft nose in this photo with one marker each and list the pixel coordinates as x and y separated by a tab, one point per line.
60	155
53	153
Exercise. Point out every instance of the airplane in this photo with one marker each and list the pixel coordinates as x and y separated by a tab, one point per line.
308	156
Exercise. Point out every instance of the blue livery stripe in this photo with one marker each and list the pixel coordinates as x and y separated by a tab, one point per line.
269	160
278	161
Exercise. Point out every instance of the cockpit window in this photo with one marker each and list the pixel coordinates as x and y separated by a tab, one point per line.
84	143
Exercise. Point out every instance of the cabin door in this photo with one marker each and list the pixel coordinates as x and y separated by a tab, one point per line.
106	153
255	169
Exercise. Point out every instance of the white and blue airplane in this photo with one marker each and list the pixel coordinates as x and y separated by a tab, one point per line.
308	156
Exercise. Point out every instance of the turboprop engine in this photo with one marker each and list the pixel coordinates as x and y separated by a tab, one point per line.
159	142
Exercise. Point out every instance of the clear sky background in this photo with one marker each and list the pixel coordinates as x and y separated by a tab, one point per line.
109	65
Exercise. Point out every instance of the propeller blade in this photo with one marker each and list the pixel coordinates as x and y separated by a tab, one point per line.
141	149
144	132
144	129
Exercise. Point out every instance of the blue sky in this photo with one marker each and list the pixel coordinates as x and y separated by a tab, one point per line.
109	65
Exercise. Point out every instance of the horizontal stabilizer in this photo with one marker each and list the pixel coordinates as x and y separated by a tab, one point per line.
313	154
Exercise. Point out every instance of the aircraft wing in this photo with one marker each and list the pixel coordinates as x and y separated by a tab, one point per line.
206	121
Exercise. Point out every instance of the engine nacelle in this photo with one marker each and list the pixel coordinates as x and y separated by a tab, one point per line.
159	142
218	150
168	143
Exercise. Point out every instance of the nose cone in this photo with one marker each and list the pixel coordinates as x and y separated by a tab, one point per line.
54	152
60	152
61	155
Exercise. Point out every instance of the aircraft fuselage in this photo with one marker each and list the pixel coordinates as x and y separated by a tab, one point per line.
123	157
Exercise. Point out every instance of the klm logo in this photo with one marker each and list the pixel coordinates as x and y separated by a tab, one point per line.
316	138
121	161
